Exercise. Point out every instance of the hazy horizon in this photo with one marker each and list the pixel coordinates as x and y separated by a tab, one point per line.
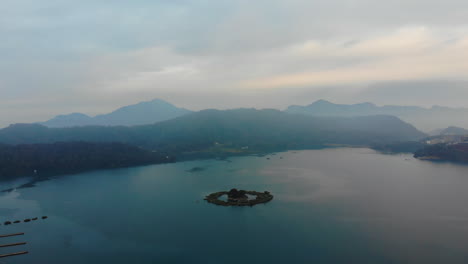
107	111
93	57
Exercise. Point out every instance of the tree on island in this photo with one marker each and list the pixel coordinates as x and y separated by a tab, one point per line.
235	194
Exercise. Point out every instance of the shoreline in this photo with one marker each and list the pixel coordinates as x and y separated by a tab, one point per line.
204	156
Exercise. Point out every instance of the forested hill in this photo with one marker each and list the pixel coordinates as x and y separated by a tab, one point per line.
444	152
42	160
257	129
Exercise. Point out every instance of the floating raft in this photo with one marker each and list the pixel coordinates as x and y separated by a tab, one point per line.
260	197
25	220
13	245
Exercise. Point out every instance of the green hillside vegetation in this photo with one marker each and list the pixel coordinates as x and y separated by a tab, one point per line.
205	134
43	160
259	130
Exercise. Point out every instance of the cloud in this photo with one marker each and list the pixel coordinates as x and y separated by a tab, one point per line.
93	56
425	92
407	54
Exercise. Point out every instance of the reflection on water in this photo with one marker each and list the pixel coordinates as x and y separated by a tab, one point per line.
330	206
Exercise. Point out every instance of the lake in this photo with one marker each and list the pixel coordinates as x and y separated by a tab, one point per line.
339	205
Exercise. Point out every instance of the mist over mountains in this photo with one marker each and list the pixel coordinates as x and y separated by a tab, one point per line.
432	120
426	119
161	130
258	129
160	126
453	131
142	113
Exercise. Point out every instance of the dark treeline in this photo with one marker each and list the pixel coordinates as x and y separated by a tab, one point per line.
42	160
444	152
400	147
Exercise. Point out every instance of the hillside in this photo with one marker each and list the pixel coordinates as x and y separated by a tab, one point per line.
258	129
444	152
138	114
43	160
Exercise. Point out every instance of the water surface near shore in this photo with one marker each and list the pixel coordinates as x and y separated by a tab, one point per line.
331	206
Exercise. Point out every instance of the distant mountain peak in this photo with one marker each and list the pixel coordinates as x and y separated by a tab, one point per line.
321	102
74	115
143	113
157	100
325	103
366	104
453	130
424	118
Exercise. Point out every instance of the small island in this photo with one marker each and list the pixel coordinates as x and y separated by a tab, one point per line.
239	198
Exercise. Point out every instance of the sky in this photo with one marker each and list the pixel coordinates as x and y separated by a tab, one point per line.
93	56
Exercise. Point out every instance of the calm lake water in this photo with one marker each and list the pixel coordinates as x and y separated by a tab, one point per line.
330	206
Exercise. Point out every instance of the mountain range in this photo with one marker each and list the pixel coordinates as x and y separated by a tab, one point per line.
432	120
138	114
426	119
25	148
157	131
258	129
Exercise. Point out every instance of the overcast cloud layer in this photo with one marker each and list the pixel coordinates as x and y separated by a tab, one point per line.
93	56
